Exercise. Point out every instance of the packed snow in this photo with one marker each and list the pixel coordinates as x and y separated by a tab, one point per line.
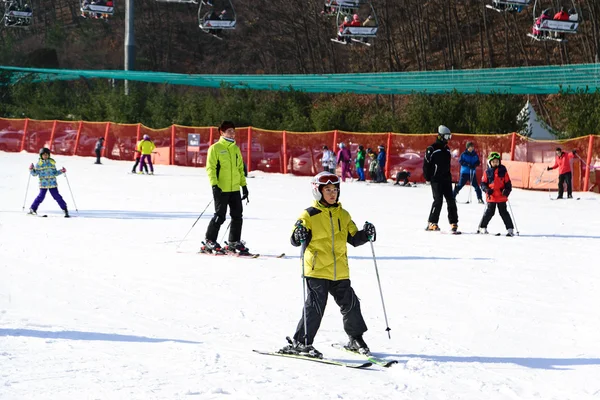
111	304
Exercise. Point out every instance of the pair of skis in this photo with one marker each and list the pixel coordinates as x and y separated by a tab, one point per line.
370	359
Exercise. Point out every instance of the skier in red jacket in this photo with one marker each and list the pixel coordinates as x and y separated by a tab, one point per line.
497	186
563	163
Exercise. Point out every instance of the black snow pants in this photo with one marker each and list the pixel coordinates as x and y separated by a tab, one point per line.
562	179
344	296
234	201
441	190
490	210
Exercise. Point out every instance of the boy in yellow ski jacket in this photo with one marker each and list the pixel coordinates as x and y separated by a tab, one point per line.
323	230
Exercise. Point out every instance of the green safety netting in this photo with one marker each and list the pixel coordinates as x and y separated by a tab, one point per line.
521	80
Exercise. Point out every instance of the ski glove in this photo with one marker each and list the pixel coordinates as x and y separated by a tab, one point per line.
216	191
506	192
490	191
63	170
369	229
31	167
300	233
574	152
245	192
549	169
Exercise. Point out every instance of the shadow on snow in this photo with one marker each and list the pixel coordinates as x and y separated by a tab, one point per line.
79	335
528	362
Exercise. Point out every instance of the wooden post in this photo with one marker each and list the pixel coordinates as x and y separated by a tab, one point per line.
24	134
211	136
249	149
52	135
77	138
387	155
512	146
172	148
137	139
284	152
103	151
335	135
586	180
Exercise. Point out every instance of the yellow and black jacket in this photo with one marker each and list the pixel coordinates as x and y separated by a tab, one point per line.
225	167
330	228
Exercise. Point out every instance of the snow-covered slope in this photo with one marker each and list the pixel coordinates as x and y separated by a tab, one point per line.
103	306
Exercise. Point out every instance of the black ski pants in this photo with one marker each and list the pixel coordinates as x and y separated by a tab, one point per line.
490	210
441	190
98	153
234	201
137	162
562	179
344	296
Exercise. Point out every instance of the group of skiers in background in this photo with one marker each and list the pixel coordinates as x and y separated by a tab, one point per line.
376	165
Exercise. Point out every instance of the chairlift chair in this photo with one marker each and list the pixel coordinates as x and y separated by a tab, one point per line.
178	1
212	21
359	34
97	8
508	5
17	13
552	29
348	7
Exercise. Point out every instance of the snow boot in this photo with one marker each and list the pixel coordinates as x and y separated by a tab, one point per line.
454	227
483	231
358	345
510	232
300	349
432	226
237	247
66	213
480	201
211	246
32	211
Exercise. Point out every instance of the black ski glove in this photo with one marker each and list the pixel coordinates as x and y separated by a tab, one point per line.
216	191
506	192
300	233
490	191
574	152
369	229
245	193
549	169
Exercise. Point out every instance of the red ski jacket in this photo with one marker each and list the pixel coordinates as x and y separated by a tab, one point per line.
563	162
498	180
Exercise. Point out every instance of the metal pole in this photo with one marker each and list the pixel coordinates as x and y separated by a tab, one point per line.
387	326
26	190
129	41
194	224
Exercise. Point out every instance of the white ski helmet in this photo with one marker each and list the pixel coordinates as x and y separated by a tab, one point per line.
322	179
444	133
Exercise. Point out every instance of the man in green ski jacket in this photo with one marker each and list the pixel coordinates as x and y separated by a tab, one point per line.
225	169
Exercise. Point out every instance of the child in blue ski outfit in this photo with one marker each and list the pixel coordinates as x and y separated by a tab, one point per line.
469	160
46	170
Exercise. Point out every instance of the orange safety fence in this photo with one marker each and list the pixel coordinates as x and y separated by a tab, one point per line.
300	153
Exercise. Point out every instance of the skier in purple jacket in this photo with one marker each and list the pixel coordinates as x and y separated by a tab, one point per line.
345	157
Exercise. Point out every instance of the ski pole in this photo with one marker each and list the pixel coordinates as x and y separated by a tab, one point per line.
226	230
26	190
470	186
194	224
302	248
539	179
68	184
513	216
584	163
380	291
